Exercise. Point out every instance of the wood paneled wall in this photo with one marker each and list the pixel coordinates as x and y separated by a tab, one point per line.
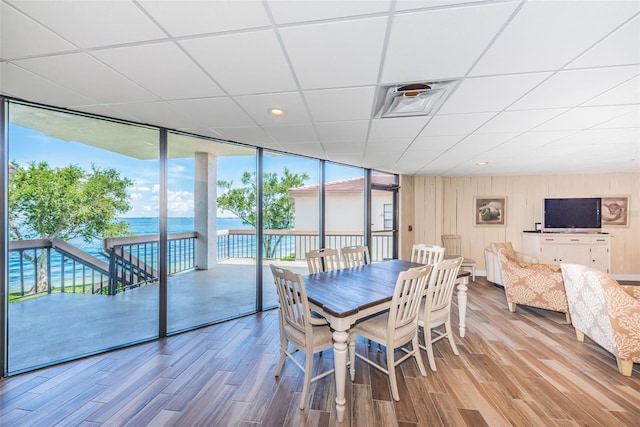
443	205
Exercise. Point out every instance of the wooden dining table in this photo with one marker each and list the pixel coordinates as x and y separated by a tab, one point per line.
347	295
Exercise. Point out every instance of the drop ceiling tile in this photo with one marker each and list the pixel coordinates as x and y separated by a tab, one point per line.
247	135
161	68
620	48
546	35
330	105
184	18
586	117
88	77
40	41
490	93
245	63
430	45
158	113
20	83
257	106
304	149
354	159
515	146
285	12
455	124
343	131
432	145
574	87
321	58
630	120
519	121
93	23
380	159
391	145
345	147
212	112
625	93
421	4
293	134
397	127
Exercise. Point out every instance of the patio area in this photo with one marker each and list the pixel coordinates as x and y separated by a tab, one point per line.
62	326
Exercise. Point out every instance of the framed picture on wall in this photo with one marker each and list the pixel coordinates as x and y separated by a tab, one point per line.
615	211
490	211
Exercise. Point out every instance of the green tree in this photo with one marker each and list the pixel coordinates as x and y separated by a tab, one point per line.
65	203
278	208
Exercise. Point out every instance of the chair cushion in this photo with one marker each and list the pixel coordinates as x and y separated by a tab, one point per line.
507	246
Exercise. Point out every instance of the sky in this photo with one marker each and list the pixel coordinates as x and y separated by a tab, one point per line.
27	145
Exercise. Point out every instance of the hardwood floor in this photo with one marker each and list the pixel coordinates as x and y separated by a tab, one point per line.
522	369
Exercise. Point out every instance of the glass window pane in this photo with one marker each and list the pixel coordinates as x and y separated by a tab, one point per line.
344	206
291	215
83	250
382	215
211	241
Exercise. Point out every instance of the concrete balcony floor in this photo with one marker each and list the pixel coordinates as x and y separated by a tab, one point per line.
59	327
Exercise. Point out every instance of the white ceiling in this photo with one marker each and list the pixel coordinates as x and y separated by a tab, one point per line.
542	87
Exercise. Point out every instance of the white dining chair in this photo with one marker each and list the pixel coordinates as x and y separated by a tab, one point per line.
353	256
453	249
396	327
427	254
320	260
435	310
305	333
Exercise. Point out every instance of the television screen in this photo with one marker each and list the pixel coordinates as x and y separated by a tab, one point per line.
572	214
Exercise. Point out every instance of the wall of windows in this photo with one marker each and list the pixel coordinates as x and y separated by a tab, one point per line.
116	233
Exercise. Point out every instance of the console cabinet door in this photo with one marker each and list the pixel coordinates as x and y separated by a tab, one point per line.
600	258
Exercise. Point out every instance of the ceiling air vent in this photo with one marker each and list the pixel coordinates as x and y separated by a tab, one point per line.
412	99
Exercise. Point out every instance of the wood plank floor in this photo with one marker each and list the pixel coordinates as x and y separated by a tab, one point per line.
522	369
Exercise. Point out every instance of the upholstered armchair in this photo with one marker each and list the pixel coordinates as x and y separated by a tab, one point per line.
606	312
534	285
492	262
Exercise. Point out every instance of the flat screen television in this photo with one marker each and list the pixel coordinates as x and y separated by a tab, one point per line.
572	215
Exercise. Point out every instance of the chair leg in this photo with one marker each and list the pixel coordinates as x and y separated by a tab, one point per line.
308	368
568	317
283	356
447	330
391	368
625	367
418	355
579	335
428	345
352	357
512	307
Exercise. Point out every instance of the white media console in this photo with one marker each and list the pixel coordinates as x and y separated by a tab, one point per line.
590	249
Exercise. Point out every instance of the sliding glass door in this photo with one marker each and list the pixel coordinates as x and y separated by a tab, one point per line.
82	224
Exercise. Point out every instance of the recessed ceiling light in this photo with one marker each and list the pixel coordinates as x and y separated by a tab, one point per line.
482	163
277	112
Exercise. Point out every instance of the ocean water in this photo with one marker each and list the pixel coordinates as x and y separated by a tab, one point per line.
138	226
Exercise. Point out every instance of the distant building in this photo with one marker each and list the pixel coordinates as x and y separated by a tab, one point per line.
344	205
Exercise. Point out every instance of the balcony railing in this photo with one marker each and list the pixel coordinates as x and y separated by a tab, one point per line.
133	261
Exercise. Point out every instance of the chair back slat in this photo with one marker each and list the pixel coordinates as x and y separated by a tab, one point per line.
354	256
405	304
321	260
292	296
452	245
441	284
427	254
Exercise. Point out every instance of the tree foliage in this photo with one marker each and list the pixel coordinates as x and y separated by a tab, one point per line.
277	207
66	202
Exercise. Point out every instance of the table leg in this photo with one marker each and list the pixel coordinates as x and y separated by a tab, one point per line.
462	305
340	361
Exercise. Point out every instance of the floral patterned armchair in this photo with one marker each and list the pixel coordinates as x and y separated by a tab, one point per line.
492	262
606	312
534	285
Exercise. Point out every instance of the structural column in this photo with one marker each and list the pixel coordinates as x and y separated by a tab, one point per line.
205	210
